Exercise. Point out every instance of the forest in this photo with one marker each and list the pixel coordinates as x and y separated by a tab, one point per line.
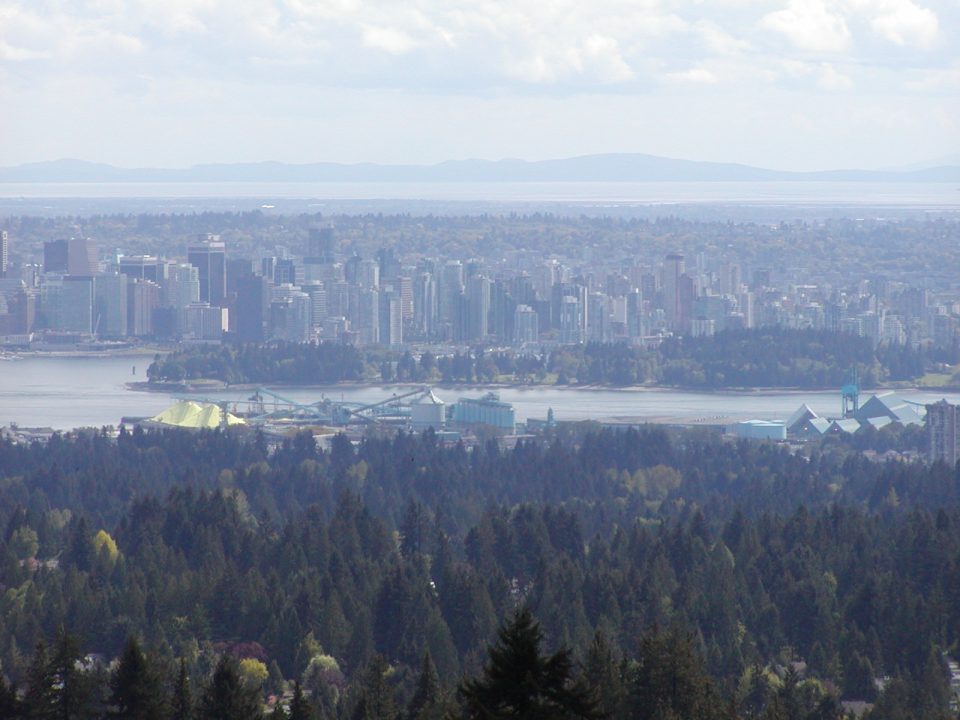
637	574
762	357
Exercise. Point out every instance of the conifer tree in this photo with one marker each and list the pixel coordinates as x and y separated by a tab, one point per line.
73	692
38	701
135	686
520	681
9	703
669	680
227	697
181	705
376	696
427	695
603	670
300	707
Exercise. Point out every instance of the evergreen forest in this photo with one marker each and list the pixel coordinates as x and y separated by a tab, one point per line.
761	357
639	574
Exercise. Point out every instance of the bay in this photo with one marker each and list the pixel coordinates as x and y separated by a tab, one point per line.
68	392
789	193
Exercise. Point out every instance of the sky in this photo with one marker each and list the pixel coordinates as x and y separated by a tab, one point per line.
785	84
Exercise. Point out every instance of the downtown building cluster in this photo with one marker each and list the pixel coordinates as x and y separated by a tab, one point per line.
525	300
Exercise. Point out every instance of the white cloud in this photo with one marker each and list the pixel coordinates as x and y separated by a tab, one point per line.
279	56
697	75
388	39
829	78
719	41
903	22
810	25
16	54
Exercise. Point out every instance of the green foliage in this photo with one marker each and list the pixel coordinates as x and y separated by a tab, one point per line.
520	681
135	687
750	548
227	696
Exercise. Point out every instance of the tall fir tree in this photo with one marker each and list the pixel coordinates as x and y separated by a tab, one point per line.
375	701
227	697
300	707
426	700
520	681
181	703
135	687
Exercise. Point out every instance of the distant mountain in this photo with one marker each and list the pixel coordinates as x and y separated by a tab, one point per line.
587	168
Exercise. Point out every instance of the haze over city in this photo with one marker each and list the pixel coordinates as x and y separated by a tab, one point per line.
784	84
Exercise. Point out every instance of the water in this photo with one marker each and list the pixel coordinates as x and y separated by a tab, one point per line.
794	193
64	393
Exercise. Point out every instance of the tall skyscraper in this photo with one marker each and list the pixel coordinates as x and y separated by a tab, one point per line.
4	252
208	255
673	270
943	432
110	305
253	303
321	244
56	256
478	297
141	267
526	328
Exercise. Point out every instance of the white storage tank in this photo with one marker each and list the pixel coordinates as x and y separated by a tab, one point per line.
428	411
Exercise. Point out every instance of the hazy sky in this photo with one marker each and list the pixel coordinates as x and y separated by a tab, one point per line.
791	84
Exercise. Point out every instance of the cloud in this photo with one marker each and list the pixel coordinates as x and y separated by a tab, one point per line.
829	78
388	39
810	25
697	75
903	22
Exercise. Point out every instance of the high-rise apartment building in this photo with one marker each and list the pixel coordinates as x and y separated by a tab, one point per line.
321	245
943	432
526	327
4	252
673	271
208	256
253	303
141	267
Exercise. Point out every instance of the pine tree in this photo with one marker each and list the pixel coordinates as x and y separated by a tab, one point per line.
135	686
427	695
300	707
669	680
9	704
603	670
227	697
181	705
519	681
73	692
38	701
376	696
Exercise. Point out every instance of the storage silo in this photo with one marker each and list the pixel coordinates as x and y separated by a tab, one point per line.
428	411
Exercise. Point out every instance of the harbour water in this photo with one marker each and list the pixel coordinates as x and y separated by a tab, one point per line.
69	392
888	194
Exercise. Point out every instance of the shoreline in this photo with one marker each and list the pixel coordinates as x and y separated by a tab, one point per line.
202	385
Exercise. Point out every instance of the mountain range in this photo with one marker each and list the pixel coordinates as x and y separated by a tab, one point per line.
614	167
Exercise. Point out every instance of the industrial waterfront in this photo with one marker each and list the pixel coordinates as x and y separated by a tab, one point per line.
69	392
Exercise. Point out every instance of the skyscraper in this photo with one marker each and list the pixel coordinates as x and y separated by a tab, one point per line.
209	257
4	252
320	245
673	270
253	302
943	432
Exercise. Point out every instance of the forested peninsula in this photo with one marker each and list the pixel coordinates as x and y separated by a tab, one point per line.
763	357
